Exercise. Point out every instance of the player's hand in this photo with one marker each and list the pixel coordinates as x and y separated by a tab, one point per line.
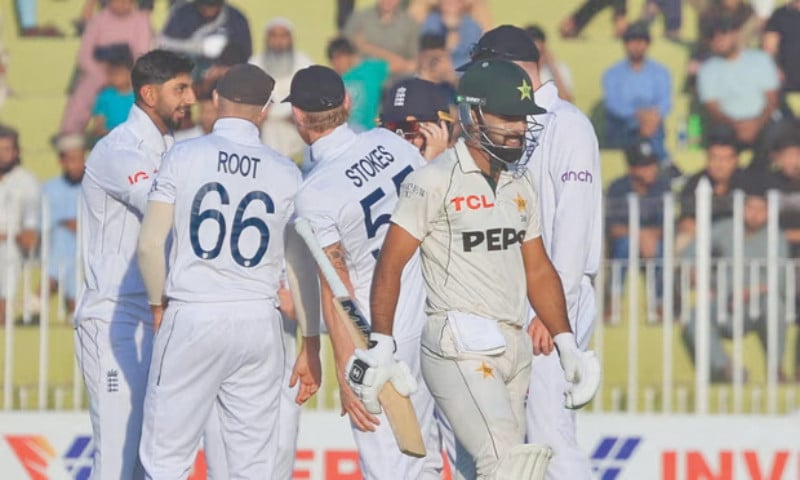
540	337
368	370
307	370
354	408
581	369
158	314
437	137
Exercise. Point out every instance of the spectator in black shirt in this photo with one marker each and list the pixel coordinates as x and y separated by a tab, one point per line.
722	169
202	29
782	41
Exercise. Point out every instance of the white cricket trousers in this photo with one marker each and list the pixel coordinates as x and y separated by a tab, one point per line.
379	455
216	463
231	354
114	357
481	396
548	421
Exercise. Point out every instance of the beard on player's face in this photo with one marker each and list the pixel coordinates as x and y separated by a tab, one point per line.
172	112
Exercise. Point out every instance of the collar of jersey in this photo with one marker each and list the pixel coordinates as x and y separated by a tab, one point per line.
146	130
465	159
333	144
238	130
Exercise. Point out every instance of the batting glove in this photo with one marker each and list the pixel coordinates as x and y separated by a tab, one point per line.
581	370
369	370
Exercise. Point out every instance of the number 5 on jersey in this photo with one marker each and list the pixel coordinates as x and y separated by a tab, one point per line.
237	227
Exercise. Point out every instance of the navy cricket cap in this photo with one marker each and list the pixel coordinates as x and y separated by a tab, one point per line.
316	89
414	99
246	83
505	42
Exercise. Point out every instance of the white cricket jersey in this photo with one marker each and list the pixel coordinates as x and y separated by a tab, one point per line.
233	196
470	235
349	196
566	171
118	175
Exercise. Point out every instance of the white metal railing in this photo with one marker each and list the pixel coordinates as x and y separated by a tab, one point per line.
629	320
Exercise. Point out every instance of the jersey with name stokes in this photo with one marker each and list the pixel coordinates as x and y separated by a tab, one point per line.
349	196
233	197
470	235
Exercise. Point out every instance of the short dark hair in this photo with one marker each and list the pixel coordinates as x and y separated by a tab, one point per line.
722	136
121	58
787	135
157	67
9	132
432	41
339	46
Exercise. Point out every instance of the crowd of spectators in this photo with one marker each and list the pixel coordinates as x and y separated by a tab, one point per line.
741	76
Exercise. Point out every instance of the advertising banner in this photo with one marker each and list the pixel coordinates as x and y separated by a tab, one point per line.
57	446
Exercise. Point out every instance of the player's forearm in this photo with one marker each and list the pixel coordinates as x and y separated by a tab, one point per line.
150	249
546	295
383	298
343	346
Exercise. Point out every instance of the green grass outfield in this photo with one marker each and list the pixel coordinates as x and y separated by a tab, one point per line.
40	70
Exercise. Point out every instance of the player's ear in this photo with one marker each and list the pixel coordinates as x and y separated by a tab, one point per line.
347	101
149	94
215	99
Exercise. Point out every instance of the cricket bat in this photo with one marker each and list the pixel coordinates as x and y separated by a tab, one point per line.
398	409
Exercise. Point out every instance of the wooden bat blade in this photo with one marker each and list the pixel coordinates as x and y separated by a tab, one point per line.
398	409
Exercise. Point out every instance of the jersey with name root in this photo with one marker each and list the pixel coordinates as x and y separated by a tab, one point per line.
233	197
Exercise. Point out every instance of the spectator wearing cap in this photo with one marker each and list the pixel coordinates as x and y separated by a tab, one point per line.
281	60
435	65
637	96
550	68
201	29
363	79
782	41
419	111
565	166
19	217
452	21
120	23
754	296
61	196
649	185
722	170
738	87
114	102
385	31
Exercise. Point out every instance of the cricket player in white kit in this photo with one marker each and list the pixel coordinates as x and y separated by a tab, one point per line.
473	212
113	326
565	166
226	198
348	198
